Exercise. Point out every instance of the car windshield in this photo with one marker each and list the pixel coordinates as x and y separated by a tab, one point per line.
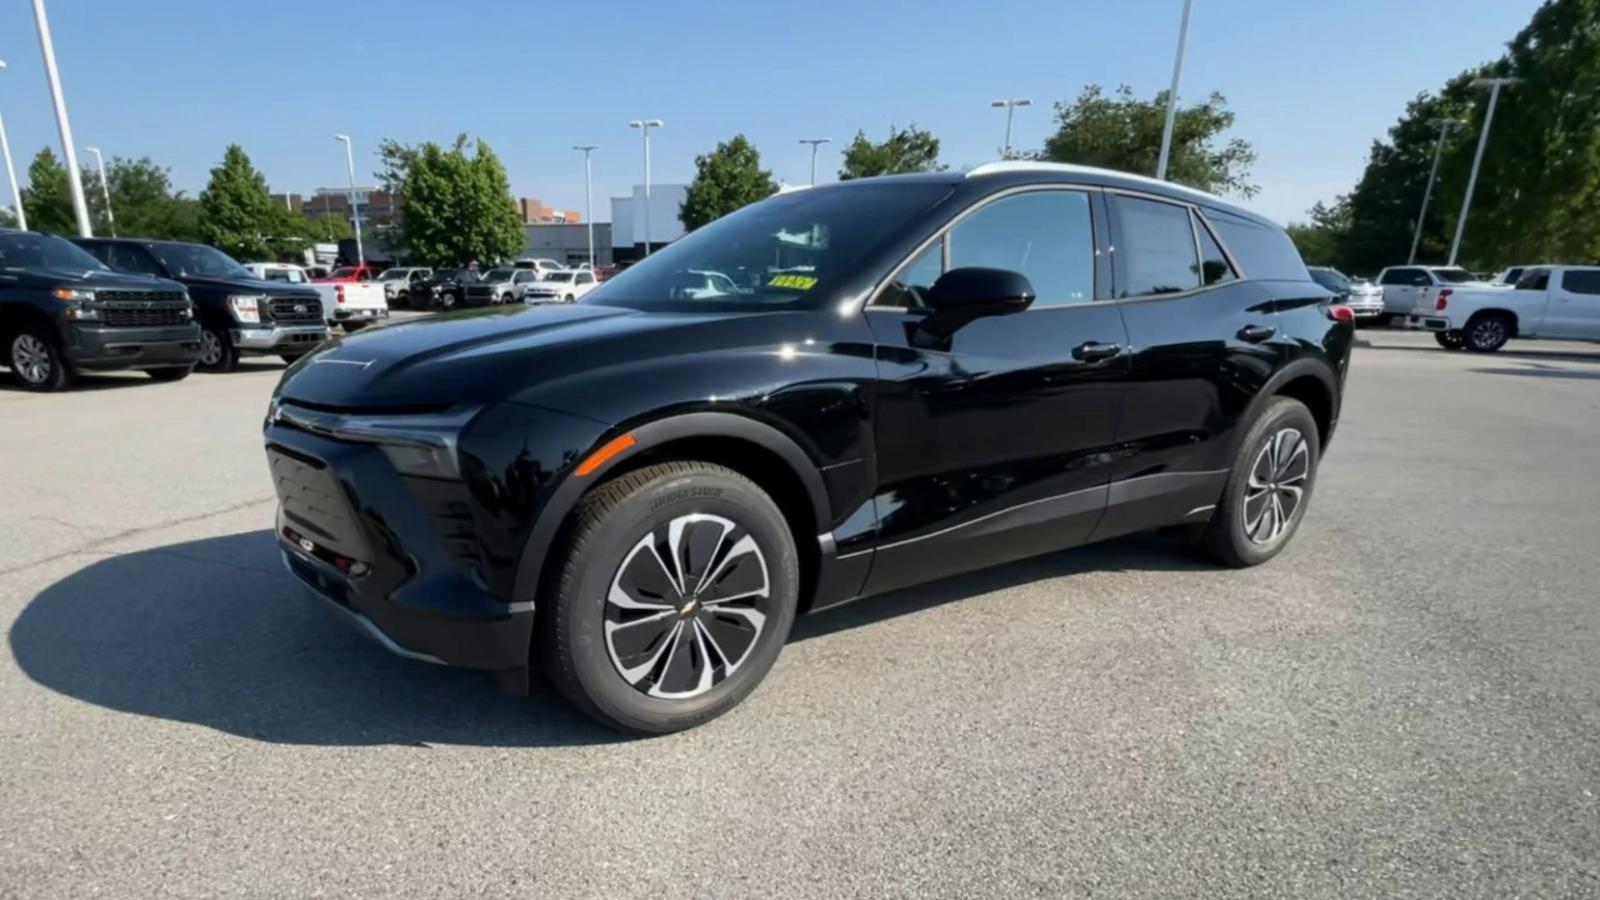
1451	275
558	276
499	275
1331	279
773	253
23	250
198	260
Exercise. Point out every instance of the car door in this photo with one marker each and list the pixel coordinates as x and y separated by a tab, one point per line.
520	282
1400	287
996	445
1205	341
1573	311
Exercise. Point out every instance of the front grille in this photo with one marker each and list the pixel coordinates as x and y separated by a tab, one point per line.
139	317
295	310
139	296
314	504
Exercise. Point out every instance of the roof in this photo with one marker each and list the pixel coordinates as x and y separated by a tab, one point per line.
1111	178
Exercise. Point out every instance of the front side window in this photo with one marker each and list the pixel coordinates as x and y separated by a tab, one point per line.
1048	236
124	258
1581	281
909	289
1534	280
25	250
782	252
1155	248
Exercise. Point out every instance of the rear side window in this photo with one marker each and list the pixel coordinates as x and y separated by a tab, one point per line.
1214	266
1581	281
1263	251
1405	277
1155	248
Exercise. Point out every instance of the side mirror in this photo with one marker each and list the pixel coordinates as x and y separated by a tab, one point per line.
963	295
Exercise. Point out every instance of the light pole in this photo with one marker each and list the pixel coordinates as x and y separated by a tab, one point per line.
1444	126
105	190
355	211
1011	107
814	142
11	172
1172	95
74	181
588	196
1494	85
645	125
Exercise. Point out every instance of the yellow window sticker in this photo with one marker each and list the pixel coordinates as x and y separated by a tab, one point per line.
794	282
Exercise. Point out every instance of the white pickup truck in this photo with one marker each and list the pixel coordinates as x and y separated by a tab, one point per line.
1401	284
1553	302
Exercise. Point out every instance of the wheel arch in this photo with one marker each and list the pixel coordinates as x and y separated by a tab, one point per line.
1309	381
16	316
760	452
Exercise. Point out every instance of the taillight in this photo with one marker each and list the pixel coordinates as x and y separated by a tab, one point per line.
1341	313
338	293
1444	299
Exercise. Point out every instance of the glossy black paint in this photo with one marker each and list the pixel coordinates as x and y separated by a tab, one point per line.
896	460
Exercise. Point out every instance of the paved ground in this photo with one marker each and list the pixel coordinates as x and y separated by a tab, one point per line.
1407	703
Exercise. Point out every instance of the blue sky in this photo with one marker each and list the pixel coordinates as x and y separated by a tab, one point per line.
1312	83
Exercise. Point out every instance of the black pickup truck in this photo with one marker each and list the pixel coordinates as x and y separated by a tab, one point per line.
61	311
239	314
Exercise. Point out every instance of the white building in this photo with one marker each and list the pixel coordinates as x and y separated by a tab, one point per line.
627	219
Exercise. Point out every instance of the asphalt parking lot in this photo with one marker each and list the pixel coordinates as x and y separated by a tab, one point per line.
1406	703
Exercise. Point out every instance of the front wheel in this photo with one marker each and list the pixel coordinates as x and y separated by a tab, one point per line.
1269	488
217	353
1451	340
676	589
506	298
35	357
1489	333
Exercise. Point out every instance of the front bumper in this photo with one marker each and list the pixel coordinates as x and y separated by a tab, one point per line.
368	541
107	347
279	338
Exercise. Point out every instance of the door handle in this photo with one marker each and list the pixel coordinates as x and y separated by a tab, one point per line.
1255	334
1093	351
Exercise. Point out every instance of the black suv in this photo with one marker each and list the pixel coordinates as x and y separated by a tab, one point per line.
62	311
238	312
832	393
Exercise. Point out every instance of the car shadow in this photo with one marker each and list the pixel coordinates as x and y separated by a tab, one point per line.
1545	355
85	381
215	633
1542	372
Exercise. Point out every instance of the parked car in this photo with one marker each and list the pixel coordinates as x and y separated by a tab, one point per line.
1364	298
1401	283
351	274
565	285
397	283
287	273
1556	302
502	285
542	265
352	305
62	311
967	375
239	314
445	289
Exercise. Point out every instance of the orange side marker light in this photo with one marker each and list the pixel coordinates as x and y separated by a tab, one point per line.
599	457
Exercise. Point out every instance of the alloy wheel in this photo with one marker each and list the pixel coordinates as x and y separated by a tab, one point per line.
1276	486
1488	334
30	359
210	348
687	606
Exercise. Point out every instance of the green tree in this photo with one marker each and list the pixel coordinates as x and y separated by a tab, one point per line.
395	161
456	208
143	201
1318	239
237	214
903	152
48	199
1122	132
727	178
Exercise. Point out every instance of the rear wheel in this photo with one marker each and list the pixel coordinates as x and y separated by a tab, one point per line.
506	297
170	373
35	357
676	589
1488	333
1451	340
1269	488
217	353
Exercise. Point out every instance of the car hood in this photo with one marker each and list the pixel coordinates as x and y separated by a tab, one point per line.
94	278
251	286
475	356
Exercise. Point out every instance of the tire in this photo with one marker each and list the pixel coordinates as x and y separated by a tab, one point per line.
447	300
1245	529
1451	340
506	298
35	357
567	299
1487	333
615	674
217	353
170	373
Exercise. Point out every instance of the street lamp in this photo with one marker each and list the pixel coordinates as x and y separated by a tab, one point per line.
48	49
105	191
814	142
11	171
645	125
1494	85
588	196
1172	95
1444	126
355	212
1010	107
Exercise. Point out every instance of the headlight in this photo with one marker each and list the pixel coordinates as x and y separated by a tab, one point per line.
423	445
71	294
247	309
